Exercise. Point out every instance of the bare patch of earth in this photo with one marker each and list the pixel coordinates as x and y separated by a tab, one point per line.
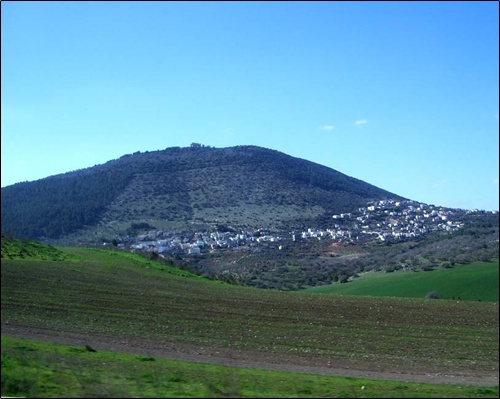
254	359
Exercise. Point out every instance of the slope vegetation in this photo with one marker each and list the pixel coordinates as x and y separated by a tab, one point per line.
476	281
13	248
111	300
181	187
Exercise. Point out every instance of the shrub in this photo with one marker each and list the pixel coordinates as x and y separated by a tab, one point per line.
432	295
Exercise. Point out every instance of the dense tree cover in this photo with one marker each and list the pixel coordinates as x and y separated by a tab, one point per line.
181	184
60	204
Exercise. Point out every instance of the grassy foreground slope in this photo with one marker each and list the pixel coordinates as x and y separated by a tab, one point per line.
477	281
39	369
15	248
125	299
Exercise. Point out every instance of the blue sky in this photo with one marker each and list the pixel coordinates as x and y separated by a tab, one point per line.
402	95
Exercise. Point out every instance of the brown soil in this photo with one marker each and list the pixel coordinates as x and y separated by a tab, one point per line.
254	359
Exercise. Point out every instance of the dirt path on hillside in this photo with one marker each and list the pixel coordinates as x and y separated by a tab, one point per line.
237	358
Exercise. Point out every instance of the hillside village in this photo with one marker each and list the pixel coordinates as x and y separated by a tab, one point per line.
384	220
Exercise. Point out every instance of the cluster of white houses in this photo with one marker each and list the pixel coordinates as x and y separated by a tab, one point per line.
194	244
388	219
381	220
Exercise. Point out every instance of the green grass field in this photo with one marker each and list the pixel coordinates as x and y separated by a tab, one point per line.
44	370
13	248
115	296
473	282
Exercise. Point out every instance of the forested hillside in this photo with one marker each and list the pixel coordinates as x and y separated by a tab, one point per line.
178	187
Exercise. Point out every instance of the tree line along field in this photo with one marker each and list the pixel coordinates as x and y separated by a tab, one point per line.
477	281
124	299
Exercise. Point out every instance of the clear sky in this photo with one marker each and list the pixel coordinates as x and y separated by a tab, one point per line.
402	95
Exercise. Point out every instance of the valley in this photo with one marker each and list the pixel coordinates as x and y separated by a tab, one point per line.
125	303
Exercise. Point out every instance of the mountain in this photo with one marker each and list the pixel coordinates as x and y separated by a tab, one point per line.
183	188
